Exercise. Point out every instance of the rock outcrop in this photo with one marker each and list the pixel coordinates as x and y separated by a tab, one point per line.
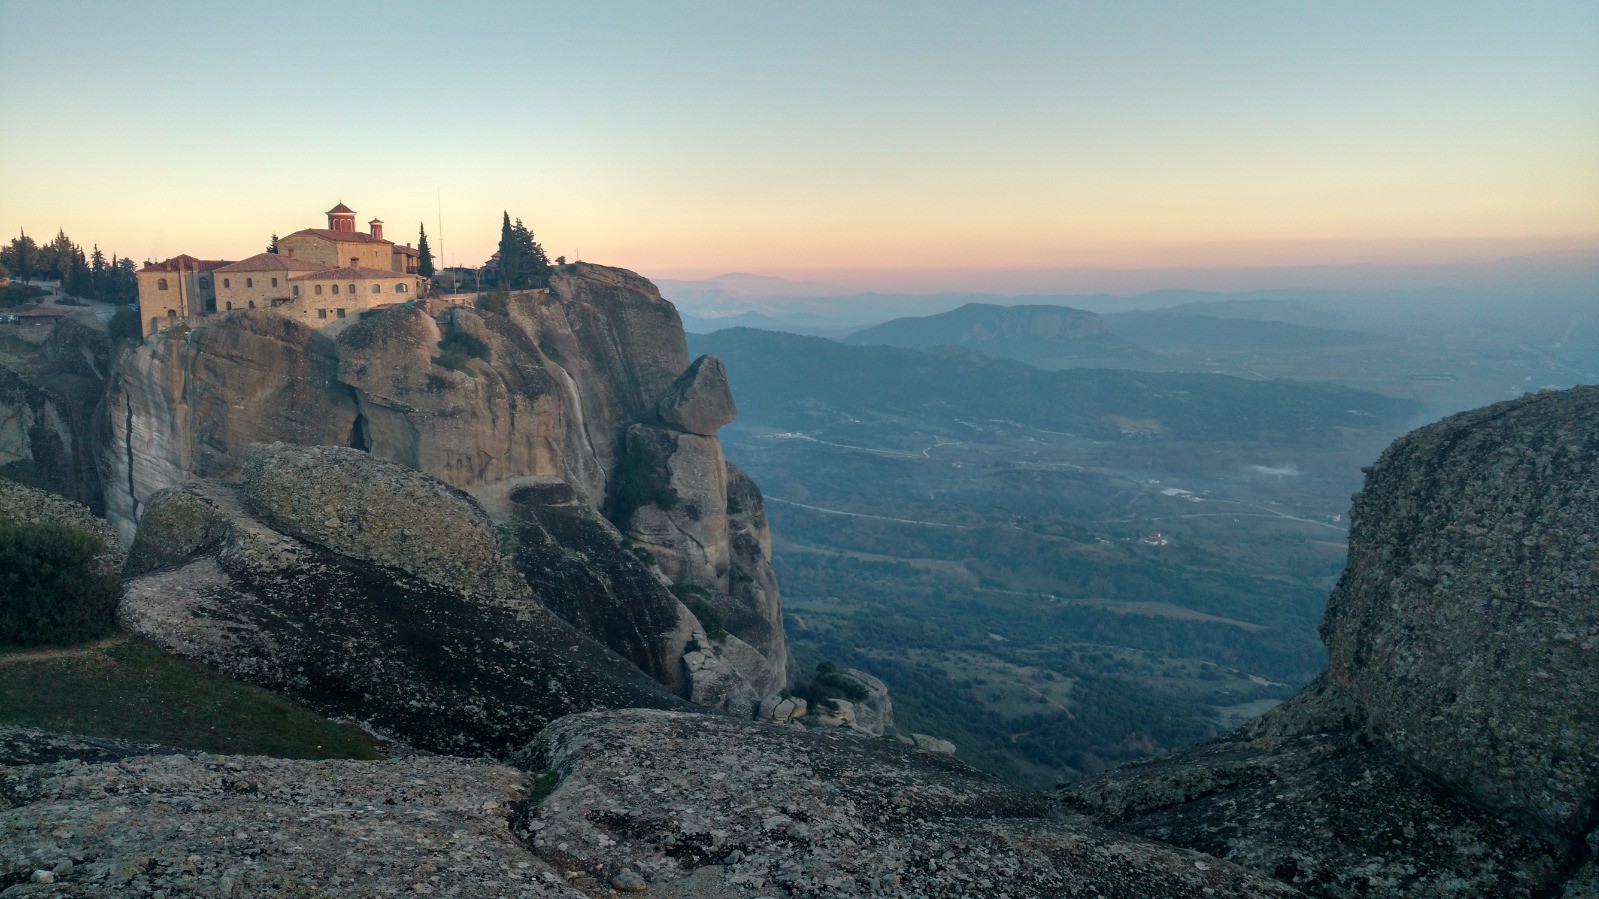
585	386
282	582
695	806
197	825
699	401
1452	747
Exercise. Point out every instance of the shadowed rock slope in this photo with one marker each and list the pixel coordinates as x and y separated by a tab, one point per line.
1452	747
368	591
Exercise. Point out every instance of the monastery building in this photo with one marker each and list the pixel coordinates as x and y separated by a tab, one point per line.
318	276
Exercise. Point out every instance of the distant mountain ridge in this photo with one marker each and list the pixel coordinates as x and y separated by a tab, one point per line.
1044	336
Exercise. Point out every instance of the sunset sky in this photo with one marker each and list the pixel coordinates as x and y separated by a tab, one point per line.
856	142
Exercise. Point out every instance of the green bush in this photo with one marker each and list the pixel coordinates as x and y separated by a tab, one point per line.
642	481
18	294
829	684
457	347
52	588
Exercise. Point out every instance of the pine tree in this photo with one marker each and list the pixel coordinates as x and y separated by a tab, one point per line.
424	264
533	266
21	256
125	282
99	275
273	246
77	279
510	259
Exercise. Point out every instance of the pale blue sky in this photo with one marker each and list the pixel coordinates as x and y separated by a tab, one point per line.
818	138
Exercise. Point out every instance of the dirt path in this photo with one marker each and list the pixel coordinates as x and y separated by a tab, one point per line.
70	652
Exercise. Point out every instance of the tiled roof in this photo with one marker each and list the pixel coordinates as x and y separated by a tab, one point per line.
341	208
340	236
350	273
270	262
408	251
188	263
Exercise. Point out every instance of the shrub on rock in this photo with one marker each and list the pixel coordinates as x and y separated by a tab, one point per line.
53	589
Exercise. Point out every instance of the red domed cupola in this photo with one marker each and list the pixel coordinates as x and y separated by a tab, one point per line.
341	218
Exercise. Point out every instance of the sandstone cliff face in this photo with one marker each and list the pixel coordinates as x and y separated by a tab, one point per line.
552	393
48	423
1452	747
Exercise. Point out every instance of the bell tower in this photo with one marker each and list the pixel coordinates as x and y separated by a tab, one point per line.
341	218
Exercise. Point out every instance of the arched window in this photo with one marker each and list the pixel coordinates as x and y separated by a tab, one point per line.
249	282
252	304
172	314
399	288
319	290
274	282
230	305
335	288
352	288
161	284
154	323
377	288
205	283
227	282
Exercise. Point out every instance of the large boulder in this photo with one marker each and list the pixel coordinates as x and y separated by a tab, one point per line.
388	515
1452	747
1466	623
355	621
699	401
682	805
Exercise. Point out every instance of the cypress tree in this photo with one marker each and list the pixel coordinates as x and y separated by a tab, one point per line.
424	264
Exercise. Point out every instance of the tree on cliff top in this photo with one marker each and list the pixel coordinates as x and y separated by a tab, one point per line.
273	246
424	265
523	264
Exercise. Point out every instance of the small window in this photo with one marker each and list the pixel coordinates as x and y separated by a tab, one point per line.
252	304
249	282
296	290
274	282
319	290
161	284
352	288
172	314
341	313
377	288
230	305
321	313
335	289
399	288
205	283
155	323
227	282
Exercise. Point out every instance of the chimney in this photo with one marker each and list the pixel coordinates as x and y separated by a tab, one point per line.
377	228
